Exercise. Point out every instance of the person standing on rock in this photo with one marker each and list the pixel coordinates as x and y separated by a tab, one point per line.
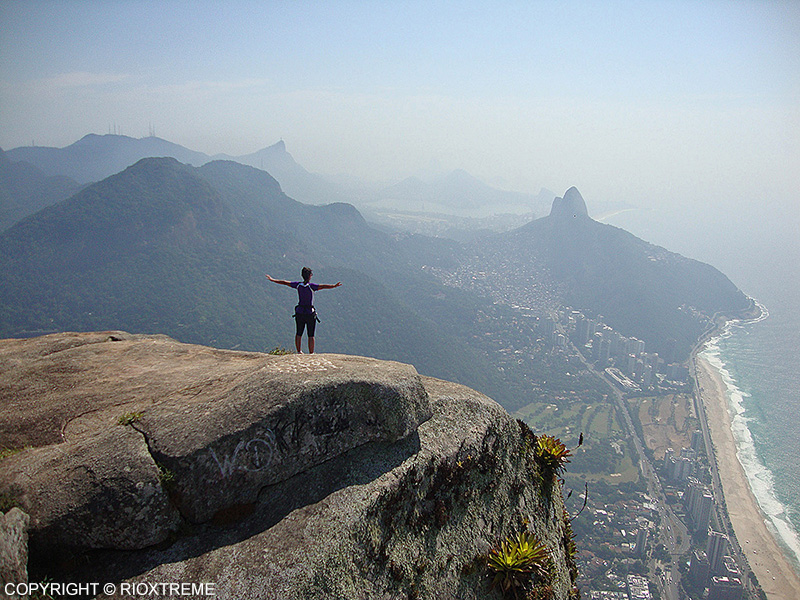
305	315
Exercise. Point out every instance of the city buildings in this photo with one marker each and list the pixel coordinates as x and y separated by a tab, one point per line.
716	550
638	588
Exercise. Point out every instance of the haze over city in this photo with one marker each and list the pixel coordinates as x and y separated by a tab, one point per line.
508	195
639	102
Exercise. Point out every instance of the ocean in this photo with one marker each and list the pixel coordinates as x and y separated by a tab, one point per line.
764	397
759	360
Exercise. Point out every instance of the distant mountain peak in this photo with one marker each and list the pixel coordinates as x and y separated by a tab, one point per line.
571	205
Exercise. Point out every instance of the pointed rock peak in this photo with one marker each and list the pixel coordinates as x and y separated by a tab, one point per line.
278	149
571	205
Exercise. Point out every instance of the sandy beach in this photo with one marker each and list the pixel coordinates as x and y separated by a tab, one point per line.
774	572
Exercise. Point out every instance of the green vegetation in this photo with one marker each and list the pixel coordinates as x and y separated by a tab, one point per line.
6	452
641	290
24	189
604	456
7	503
129	418
280	351
516	559
551	454
38	595
166	478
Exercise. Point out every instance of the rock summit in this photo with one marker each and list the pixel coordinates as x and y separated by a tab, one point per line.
141	459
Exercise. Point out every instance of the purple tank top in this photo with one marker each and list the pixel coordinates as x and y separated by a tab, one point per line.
305	292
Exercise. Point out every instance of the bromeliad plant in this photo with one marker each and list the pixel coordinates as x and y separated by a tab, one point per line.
516	559
552	454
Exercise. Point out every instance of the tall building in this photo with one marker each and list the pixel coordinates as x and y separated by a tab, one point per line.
694	489
731	568
641	540
548	325
638	369
585	330
605	352
697	441
617	345
725	588
634	346
701	516
630	365
698	568
716	549
597	339
647	376
680	468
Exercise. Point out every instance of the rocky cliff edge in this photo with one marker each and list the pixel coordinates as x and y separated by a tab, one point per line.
141	459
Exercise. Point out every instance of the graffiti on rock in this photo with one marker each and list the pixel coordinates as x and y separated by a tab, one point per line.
251	455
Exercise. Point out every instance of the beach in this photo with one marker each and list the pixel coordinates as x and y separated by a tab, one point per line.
774	572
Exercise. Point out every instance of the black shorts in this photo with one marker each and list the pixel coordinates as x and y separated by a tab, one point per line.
304	321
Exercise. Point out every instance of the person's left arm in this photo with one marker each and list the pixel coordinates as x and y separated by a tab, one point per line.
329	286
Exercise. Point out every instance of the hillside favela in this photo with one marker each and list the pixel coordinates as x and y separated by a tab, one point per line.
325	332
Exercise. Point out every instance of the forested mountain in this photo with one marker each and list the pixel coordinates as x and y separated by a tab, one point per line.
639	289
164	247
24	190
642	290
295	180
167	248
95	157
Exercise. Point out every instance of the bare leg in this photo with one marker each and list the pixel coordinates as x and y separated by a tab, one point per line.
311	345
297	340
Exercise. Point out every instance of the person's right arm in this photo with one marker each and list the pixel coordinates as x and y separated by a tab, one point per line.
280	281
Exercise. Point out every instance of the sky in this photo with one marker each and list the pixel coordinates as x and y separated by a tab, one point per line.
645	102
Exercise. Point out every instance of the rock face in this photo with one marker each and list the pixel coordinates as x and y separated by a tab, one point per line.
321	476
13	549
572	205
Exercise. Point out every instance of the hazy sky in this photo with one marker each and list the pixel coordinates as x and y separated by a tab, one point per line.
643	101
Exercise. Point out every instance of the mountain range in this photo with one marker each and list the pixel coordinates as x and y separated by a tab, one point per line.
166	247
24	190
95	157
638	288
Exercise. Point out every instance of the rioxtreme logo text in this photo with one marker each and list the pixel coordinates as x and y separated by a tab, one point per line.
132	589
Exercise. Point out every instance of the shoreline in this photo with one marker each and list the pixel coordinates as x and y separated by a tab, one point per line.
775	574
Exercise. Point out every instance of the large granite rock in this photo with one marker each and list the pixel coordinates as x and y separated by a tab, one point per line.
13	550
571	206
97	491
215	426
297	476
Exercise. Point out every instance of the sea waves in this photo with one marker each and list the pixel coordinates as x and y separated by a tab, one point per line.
760	478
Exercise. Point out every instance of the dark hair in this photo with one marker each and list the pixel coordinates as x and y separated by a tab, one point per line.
306	272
